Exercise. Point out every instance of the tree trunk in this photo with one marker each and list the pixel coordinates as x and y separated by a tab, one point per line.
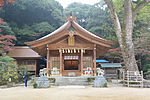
129	56
124	34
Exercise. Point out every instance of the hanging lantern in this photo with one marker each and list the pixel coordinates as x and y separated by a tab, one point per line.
68	51
74	50
63	51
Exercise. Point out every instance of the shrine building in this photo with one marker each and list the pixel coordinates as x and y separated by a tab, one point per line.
70	49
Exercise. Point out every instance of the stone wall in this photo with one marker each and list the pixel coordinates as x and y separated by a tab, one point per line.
146	83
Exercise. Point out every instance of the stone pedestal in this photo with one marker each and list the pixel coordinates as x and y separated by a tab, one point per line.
43	82
99	81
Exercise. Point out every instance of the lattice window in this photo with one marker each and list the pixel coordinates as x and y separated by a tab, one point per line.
26	62
87	62
55	61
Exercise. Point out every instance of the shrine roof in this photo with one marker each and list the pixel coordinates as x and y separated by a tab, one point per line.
23	52
71	22
110	65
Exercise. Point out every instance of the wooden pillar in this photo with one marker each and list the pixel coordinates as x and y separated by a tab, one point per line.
94	59
47	61
81	62
61	63
35	66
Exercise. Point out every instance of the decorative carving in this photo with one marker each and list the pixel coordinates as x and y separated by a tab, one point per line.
71	40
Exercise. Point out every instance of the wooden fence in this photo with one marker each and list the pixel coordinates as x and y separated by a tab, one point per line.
133	78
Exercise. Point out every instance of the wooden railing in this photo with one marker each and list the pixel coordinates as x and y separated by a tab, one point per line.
133	78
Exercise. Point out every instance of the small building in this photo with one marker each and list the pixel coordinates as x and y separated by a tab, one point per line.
25	57
70	50
112	70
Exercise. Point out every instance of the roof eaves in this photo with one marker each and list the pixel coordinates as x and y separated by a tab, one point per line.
65	26
103	40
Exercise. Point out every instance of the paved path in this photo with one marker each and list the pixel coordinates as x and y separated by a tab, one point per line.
87	93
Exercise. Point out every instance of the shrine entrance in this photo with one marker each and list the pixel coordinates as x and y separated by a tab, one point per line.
71	65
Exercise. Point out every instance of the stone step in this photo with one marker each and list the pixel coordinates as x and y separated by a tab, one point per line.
71	81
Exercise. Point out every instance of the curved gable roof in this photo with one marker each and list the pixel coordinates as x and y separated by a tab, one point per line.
60	29
71	22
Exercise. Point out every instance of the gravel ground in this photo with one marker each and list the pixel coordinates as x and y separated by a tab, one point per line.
87	93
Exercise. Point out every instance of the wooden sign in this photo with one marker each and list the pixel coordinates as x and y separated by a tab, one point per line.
71	40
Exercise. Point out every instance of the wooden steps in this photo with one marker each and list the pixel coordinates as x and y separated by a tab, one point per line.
67	73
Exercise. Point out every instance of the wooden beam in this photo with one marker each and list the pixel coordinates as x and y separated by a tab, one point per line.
81	62
77	46
94	59
92	40
47	61
60	52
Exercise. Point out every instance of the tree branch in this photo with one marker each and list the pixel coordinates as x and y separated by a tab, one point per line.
139	7
114	18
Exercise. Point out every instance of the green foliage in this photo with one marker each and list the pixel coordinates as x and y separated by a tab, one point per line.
26	13
118	5
89	79
6	29
146	70
6	62
22	71
43	27
13	75
105	84
35	85
8	69
30	22
80	11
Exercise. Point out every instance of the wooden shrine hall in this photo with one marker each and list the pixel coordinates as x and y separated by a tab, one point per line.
70	50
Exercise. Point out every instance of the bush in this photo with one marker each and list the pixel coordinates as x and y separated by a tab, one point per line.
35	85
52	80
8	70
9	77
89	79
105	84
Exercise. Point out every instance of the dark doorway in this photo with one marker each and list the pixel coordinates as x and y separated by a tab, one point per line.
71	65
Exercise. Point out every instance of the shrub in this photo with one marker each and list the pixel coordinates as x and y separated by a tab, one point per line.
13	75
35	85
105	84
8	69
89	79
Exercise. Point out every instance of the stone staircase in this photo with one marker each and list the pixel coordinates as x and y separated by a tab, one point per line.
71	81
